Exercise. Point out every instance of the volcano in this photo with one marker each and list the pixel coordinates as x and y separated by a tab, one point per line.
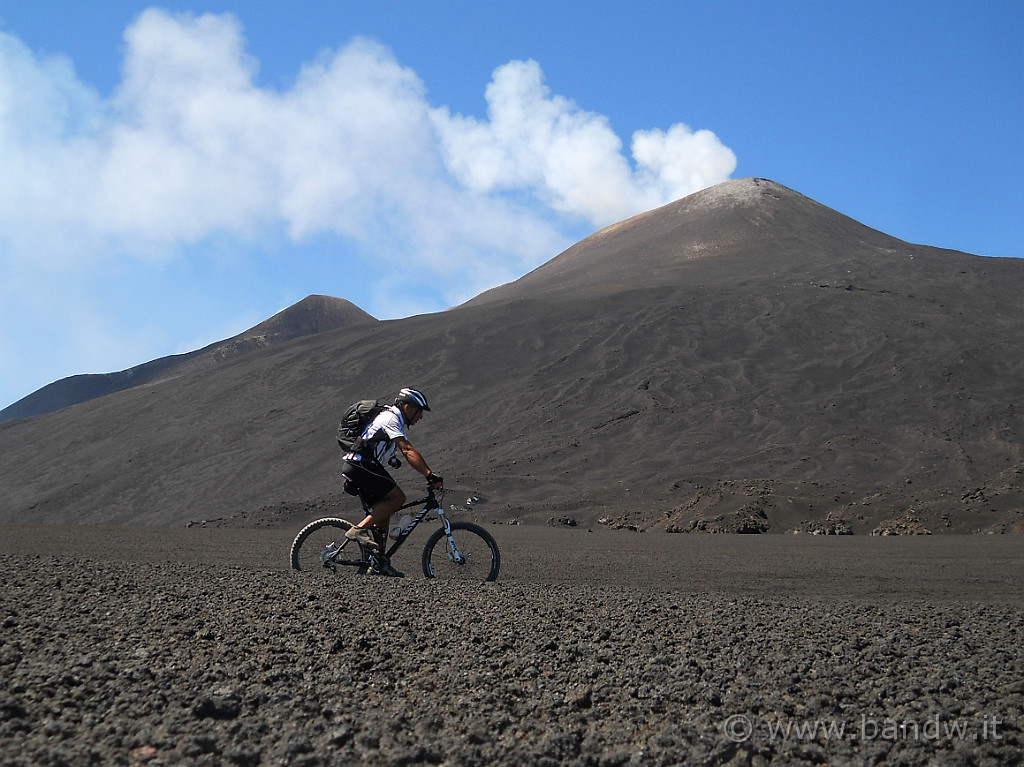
744	360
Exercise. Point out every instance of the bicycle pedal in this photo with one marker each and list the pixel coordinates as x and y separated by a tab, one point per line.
328	554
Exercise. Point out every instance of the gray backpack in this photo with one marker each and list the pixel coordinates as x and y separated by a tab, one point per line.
352	426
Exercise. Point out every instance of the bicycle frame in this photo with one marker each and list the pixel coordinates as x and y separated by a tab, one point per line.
430	503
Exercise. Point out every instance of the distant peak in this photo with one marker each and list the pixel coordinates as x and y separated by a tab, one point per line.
743	191
767	225
313	314
740	190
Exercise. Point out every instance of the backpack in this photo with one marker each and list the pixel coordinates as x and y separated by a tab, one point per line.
356	419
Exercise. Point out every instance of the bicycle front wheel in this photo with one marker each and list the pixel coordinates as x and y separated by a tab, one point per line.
318	547
474	556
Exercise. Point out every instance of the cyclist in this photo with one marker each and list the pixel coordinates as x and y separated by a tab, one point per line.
364	467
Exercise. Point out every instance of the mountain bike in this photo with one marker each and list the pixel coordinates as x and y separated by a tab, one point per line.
458	550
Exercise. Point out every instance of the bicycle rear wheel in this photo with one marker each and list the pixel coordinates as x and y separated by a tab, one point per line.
475	556
310	549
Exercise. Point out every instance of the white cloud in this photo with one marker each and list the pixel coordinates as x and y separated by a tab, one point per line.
679	162
571	158
189	146
190	156
46	116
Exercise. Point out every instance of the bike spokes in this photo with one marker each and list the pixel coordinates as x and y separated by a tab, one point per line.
322	546
467	552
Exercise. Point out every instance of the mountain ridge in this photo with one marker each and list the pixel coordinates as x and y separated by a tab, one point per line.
313	314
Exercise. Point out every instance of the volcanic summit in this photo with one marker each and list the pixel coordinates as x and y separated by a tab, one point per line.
744	359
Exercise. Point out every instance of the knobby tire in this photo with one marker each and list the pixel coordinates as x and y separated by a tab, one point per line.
474	543
311	540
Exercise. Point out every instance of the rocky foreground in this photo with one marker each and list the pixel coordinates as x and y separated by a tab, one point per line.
126	659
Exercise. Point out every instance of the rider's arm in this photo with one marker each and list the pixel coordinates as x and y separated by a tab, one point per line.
413	456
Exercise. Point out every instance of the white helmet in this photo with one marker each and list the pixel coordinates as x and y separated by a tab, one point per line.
412	397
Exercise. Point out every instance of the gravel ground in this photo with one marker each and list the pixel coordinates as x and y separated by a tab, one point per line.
196	647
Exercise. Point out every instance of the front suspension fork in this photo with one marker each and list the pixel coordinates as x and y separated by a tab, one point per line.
453	551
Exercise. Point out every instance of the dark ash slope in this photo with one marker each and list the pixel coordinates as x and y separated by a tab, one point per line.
744	359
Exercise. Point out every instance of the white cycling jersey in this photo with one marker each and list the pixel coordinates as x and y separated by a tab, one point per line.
391	422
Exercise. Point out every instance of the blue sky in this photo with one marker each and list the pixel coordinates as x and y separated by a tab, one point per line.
171	175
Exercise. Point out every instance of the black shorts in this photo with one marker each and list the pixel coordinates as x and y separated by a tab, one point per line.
371	479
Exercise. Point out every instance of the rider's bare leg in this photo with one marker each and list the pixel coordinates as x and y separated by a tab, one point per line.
384	508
